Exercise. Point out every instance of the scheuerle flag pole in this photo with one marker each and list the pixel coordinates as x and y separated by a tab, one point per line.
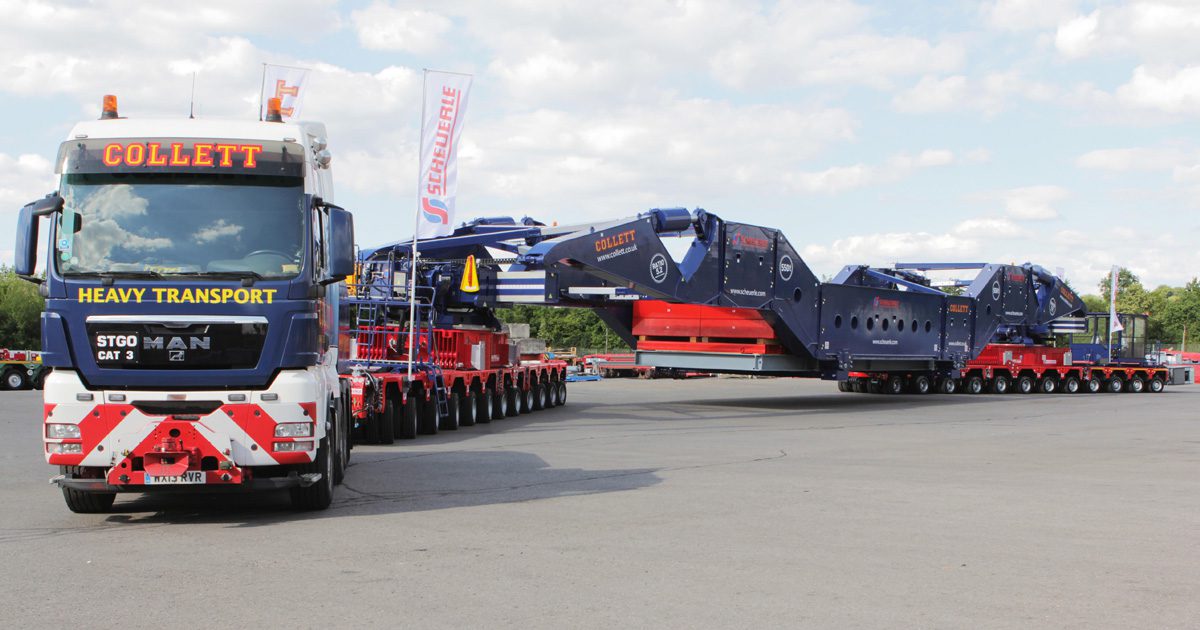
443	109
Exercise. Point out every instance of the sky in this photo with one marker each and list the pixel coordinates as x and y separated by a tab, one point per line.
1061	132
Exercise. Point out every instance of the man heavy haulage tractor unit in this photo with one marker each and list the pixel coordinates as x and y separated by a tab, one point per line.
210	327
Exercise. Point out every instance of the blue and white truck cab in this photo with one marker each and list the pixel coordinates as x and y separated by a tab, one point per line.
192	280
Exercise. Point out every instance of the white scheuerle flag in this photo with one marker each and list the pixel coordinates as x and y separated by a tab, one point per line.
285	83
444	108
1114	322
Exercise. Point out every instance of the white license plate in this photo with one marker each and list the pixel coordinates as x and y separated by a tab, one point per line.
191	476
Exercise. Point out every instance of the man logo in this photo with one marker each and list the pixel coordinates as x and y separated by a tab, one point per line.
175	355
658	268
785	268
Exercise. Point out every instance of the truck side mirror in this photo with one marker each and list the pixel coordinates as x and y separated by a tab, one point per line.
339	245
28	222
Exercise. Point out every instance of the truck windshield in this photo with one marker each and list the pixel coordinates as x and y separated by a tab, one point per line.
172	223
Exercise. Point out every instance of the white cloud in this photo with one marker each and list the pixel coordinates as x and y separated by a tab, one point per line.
1159	31
1033	202
1172	90
23	179
1021	15
988	227
990	94
1131	159
382	26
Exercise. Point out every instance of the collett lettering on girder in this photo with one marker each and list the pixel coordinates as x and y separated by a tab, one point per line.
215	154
606	243
169	295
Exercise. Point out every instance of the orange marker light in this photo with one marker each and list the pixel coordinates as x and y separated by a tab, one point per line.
109	110
274	113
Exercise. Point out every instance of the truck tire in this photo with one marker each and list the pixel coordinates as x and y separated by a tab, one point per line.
513	397
894	385
859	387
409	416
551	395
86	502
499	404
427	421
39	378
1025	385
453	419
1156	385
14	379
539	396
1070	385
483	406
388	421
974	384
1048	385
340	446
948	385
921	384
466	410
1114	385
562	393
319	495
527	401
1000	384
1137	385
844	386
1094	385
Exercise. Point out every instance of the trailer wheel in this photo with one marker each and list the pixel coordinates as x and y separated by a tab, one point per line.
874	387
562	393
388	423
1137	385
844	386
483	406
512	396
1070	385
1025	384
14	379
499	405
452	419
1047	385
974	384
1000	384
86	502
1115	385
949	385
527	400
466	410
1157	385
1094	385
427	422
921	384
39	378
409	416
539	396
552	394
859	387
319	495
894	385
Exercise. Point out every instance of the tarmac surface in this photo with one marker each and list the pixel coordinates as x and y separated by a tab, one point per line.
667	504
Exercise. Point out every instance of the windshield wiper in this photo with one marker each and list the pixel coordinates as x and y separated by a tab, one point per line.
107	277
248	277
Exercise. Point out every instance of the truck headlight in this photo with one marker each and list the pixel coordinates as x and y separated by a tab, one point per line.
62	431
293	447
64	449
294	429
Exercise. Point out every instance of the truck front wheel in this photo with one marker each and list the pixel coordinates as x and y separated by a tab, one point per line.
319	495
86	502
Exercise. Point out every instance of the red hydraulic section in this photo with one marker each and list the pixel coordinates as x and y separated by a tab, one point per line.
659	325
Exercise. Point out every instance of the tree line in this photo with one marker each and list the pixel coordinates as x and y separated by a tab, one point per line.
20	312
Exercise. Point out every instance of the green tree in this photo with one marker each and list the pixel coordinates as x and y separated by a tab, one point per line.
564	327
20	312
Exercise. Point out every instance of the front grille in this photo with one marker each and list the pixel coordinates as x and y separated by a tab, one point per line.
158	346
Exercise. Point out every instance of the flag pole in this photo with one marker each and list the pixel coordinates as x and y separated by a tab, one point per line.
262	85
412	270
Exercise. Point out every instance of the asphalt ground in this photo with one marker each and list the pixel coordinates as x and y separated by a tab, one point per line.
667	504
